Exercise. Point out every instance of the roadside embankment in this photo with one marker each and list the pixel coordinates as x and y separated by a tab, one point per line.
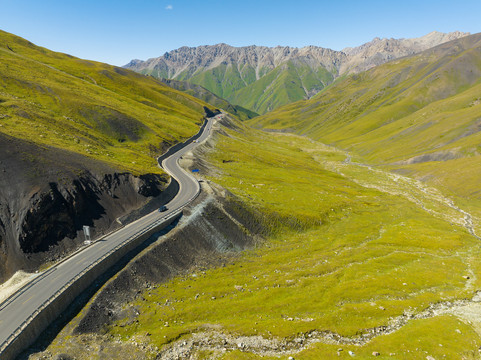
212	229
48	194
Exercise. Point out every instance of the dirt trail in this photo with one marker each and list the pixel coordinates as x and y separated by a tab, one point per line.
428	198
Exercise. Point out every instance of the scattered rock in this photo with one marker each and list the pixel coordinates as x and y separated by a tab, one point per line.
64	357
376	353
351	353
429	357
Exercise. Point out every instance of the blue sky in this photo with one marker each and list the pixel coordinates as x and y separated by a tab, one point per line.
118	31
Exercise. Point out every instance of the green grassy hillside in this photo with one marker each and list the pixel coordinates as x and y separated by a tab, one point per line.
283	85
104	112
224	80
356	260
419	115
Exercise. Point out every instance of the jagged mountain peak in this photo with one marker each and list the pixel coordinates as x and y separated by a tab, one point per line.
134	62
206	57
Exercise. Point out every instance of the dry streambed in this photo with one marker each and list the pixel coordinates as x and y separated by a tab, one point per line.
218	343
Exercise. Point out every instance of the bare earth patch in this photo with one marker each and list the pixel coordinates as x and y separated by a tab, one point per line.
18	280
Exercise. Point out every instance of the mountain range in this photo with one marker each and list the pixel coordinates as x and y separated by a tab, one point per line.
419	115
263	78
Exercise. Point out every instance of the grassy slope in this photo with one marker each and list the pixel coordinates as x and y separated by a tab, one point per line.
223	80
101	111
350	250
274	89
407	113
283	85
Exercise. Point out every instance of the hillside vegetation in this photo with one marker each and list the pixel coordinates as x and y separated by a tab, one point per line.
285	84
352	254
419	115
103	112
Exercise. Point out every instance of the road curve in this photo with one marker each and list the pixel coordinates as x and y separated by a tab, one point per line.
19	308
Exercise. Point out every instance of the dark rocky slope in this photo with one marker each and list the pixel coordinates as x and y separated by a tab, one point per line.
47	195
213	229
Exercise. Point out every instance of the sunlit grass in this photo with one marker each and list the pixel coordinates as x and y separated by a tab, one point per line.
341	257
103	112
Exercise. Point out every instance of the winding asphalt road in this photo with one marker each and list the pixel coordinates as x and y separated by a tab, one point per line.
20	307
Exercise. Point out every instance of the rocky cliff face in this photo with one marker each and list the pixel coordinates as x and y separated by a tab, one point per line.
177	64
280	75
47	195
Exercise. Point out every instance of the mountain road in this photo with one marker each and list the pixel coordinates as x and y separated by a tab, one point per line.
21	307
